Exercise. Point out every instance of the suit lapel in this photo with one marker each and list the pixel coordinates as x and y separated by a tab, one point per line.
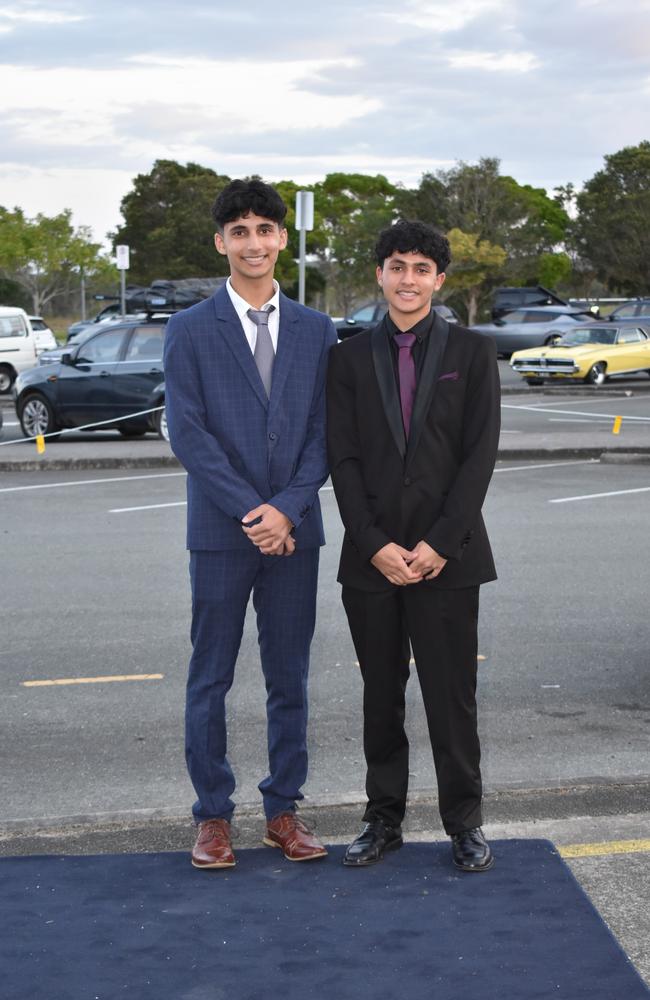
427	381
286	349
230	328
385	372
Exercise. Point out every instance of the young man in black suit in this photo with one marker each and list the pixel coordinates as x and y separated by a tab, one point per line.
413	429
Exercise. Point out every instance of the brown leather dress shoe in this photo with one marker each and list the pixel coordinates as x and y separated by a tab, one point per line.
293	837
212	848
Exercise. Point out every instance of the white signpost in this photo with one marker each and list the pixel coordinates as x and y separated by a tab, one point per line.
304	221
122	261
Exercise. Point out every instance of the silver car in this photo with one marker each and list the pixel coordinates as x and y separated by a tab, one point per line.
536	326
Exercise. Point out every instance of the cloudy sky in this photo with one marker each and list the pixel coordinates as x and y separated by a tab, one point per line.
94	91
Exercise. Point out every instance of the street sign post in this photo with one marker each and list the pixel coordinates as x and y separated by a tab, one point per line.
304	222
122	261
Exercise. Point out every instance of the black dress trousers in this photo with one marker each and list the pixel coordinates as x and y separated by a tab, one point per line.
440	626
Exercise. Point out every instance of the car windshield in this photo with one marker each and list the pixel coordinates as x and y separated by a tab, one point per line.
588	335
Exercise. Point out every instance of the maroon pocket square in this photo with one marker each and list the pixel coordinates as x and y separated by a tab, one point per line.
449	377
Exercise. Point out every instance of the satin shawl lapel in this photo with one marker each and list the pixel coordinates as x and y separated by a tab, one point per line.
286	348
229	327
385	372
427	381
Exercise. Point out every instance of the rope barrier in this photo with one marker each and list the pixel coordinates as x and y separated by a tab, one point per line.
84	427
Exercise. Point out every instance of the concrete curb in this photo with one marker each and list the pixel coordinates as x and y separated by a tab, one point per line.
63	464
598	795
640	455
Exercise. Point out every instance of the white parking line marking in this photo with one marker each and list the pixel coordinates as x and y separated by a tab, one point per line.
181	503
597	496
90	482
571	413
149	506
549	465
579	420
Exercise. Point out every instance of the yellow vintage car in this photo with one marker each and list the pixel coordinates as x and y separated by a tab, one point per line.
586	354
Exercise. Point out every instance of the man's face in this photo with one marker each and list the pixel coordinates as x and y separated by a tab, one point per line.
409	281
251	244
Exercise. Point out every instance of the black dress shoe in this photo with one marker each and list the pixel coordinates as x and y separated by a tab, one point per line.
471	851
374	840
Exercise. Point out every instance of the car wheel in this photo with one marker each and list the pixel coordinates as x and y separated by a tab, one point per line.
160	423
128	433
554	338
596	374
7	376
534	381
36	416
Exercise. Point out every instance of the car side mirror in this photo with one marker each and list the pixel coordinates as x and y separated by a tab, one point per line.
499	322
66	359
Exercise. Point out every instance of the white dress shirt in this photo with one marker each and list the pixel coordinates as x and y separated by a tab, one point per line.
250	330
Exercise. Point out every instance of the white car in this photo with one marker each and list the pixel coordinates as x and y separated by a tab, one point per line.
45	339
17	345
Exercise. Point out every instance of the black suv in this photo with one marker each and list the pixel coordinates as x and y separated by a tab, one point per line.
109	376
373	312
508	299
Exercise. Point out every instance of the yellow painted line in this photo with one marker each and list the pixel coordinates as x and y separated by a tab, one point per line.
92	680
609	847
616	429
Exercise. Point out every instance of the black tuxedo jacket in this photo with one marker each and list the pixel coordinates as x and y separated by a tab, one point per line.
434	487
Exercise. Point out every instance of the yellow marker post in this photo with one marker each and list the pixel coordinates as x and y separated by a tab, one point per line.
617	425
40	444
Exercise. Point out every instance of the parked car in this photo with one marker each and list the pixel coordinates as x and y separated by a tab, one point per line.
532	327
587	354
373	312
45	339
18	350
505	300
634	312
55	354
113	373
109	314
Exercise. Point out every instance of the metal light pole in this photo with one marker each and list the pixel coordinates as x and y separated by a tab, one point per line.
304	221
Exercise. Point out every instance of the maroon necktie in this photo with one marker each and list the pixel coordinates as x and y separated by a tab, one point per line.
406	371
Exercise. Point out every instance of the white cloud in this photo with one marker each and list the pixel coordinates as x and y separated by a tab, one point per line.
80	105
518	62
435	16
39	15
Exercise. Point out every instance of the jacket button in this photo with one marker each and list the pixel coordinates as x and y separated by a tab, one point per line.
407	480
272	436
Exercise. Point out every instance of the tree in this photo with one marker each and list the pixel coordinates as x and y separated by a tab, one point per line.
352	209
41	254
472	261
477	199
168	223
612	230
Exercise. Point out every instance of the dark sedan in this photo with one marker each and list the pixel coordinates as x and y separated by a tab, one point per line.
373	312
106	378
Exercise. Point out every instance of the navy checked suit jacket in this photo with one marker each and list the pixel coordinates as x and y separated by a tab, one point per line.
240	448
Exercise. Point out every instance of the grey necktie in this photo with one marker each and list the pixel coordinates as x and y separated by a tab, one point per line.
264	354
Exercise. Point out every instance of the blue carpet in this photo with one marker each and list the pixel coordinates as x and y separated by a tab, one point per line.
411	928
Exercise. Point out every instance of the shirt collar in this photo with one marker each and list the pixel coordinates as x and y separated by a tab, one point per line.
421	329
242	306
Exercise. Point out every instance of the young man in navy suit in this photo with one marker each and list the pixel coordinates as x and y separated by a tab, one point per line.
413	428
244	393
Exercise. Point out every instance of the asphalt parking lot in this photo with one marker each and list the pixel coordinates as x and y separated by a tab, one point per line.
96	587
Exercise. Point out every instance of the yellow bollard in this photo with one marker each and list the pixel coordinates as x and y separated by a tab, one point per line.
40	444
617	425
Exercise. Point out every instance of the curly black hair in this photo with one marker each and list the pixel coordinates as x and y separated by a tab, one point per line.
241	197
414	237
